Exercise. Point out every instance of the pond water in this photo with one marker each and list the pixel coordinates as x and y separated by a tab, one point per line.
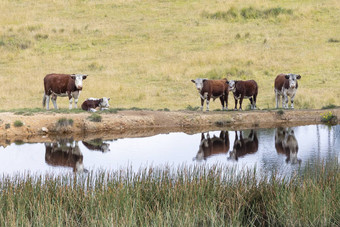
280	149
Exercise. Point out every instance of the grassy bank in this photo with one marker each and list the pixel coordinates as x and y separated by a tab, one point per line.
144	53
184	196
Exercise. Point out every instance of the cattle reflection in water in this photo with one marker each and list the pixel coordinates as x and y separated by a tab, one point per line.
286	143
97	145
244	146
212	146
65	153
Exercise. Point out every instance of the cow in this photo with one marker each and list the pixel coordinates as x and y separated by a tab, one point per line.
212	146
244	146
244	89
286	144
93	104
212	89
286	85
97	145
62	85
65	153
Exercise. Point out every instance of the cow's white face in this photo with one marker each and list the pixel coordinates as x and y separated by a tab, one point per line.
199	83
292	80
231	84
78	79
105	102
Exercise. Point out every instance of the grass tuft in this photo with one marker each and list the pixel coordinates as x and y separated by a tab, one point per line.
95	117
18	123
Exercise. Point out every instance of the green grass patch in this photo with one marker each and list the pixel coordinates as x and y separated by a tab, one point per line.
95	117
330	106
18	123
332	40
329	118
174	196
192	108
64	122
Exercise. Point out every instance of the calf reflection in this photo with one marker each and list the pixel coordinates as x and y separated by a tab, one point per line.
243	146
97	145
286	143
212	146
65	153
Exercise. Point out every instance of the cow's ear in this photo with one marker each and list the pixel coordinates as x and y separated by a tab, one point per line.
84	77
193	81
73	76
287	77
227	82
204	80
101	100
298	77
108	99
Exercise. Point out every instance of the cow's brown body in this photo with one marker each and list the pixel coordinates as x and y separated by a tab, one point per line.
213	146
245	146
64	155
62	85
244	89
90	104
214	89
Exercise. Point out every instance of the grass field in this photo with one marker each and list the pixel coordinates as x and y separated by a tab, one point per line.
144	53
183	196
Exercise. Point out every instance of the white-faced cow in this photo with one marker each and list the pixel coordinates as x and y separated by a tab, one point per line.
97	145
213	146
93	104
244	146
212	89
244	89
286	85
65	153
62	85
286	143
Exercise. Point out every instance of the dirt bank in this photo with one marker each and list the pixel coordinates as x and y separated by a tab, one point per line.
145	123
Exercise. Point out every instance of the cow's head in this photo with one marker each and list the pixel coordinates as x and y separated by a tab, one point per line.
292	78
78	80
232	85
104	102
199	83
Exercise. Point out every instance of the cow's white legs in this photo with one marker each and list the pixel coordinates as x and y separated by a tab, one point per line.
54	101
75	96
292	101
277	99
47	102
208	105
285	101
70	101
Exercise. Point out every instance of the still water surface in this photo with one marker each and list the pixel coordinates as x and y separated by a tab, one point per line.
281	149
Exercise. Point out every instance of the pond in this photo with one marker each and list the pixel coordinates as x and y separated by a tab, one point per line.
278	149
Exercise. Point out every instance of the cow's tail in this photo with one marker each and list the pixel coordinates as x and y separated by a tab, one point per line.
44	100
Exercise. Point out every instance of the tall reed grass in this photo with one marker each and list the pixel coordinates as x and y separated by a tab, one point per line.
168	196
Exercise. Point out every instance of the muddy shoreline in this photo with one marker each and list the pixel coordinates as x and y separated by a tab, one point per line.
47	126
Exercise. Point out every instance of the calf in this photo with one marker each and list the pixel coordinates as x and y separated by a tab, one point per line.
66	154
62	85
212	89
244	89
244	146
286	143
213	146
92	104
97	145
286	85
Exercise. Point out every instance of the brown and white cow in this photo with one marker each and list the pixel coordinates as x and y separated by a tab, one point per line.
212	146
286	143
212	89
65	153
62	85
93	104
244	146
286	85
97	145
244	89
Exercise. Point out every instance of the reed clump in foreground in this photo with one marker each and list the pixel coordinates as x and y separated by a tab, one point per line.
184	196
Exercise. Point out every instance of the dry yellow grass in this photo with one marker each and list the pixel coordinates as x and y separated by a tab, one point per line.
144	53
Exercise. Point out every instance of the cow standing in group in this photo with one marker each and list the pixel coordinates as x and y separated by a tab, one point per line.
212	89
244	146
244	89
286	143
62	85
286	85
213	146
